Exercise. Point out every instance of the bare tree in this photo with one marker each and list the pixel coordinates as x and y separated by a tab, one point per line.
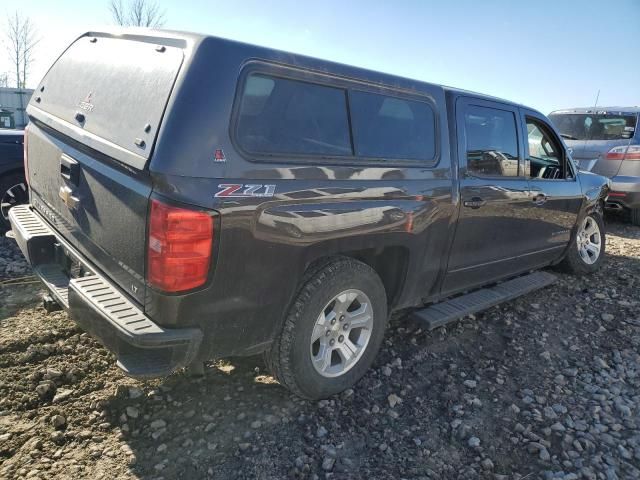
21	40
14	47
4	79
137	13
29	43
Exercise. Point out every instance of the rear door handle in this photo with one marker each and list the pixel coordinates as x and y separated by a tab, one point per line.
475	202
540	199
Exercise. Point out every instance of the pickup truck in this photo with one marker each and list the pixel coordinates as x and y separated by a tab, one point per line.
193	198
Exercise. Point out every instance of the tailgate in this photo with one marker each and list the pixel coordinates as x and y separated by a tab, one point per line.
94	122
110	93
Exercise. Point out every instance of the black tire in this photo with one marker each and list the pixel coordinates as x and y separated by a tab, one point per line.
289	358
573	261
635	216
6	183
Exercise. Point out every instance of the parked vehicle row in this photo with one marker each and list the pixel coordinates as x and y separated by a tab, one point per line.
606	141
13	187
193	198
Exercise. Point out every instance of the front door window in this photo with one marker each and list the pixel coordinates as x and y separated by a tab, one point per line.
545	158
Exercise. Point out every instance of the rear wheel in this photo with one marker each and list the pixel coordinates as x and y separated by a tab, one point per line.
635	216
587	249
13	191
332	332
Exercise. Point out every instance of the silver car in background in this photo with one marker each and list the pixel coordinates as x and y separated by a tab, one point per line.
605	140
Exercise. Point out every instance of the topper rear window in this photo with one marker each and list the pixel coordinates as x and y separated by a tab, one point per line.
287	117
279	115
391	127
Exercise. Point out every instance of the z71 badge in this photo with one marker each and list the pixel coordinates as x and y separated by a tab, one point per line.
245	190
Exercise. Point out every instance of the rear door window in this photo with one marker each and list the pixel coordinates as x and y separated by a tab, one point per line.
491	142
392	127
284	116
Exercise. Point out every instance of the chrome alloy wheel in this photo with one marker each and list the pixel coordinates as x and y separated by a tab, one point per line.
15	195
341	333
589	241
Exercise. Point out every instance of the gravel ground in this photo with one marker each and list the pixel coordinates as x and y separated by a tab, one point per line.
547	386
12	263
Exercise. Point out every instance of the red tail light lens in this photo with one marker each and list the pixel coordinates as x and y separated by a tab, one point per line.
25	146
179	249
631	152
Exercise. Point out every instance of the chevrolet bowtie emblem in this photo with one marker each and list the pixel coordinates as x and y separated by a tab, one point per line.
66	194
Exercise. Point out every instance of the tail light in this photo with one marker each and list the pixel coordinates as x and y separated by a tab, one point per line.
631	152
179	247
25	145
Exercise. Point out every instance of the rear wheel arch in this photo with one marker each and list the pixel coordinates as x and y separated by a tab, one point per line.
289	357
390	263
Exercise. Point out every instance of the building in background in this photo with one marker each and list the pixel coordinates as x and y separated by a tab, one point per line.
13	105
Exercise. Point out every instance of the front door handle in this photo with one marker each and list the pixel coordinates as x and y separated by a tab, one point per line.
540	199
475	202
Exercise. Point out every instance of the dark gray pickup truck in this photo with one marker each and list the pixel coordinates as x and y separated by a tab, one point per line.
193	198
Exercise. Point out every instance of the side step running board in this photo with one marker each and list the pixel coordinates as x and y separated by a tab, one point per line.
442	313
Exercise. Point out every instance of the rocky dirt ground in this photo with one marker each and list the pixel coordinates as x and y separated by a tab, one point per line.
547	386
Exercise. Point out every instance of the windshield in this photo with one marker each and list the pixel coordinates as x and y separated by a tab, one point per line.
596	126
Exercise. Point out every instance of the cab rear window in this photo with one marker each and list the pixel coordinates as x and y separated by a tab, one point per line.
286	117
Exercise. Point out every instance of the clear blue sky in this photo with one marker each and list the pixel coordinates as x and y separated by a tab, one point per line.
548	54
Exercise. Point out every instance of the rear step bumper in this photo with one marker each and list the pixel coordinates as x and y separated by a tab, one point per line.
143	348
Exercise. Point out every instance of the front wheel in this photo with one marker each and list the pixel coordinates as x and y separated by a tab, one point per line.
586	251
332	332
